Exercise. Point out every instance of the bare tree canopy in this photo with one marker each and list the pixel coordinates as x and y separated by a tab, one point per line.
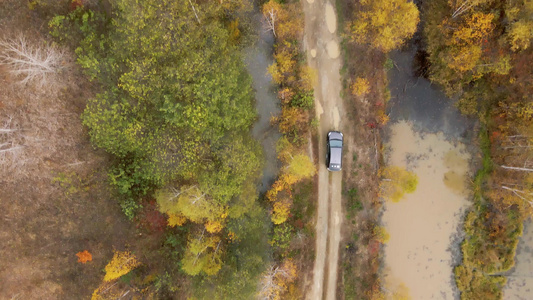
29	61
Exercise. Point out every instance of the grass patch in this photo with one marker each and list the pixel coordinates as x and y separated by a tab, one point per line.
354	204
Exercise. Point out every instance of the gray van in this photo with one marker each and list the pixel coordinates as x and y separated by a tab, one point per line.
334	151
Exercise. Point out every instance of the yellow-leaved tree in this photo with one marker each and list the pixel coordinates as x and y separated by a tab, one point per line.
396	182
203	254
384	24
520	28
189	202
301	166
360	87
121	264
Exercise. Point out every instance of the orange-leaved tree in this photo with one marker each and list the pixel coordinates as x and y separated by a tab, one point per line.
84	256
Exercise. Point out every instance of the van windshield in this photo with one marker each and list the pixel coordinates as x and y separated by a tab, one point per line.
335	144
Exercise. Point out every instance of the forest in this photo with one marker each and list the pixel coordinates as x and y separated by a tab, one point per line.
147	178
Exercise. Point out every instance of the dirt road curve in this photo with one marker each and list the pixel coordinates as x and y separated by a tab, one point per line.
322	45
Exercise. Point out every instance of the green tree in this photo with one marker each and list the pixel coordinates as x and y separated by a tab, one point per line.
236	158
176	88
384	24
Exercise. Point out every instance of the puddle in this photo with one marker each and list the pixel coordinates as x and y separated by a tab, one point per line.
520	279
423	225
333	49
331	19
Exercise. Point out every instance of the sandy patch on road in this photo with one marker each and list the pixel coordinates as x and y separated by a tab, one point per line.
319	109
336	118
423	225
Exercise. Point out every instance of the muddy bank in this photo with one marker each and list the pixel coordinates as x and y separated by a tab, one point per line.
257	58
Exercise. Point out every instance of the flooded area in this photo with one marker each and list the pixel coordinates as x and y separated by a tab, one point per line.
520	278
257	58
427	136
416	99
424	224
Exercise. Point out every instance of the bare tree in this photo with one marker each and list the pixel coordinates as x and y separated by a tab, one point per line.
11	145
271	18
28	61
270	286
461	6
275	280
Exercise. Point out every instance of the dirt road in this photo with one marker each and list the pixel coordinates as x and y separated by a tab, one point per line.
322	45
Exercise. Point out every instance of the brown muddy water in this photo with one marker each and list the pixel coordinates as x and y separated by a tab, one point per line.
429	137
423	226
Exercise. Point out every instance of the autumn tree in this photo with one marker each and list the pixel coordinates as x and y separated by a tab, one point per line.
282	20
203	254
380	233
465	43
360	87
107	291
84	256
281	209
121	264
292	119
301	166
459	7
384	24
277	278
284	66
396	182
176	220
520	28
190	202
401	292
272	13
